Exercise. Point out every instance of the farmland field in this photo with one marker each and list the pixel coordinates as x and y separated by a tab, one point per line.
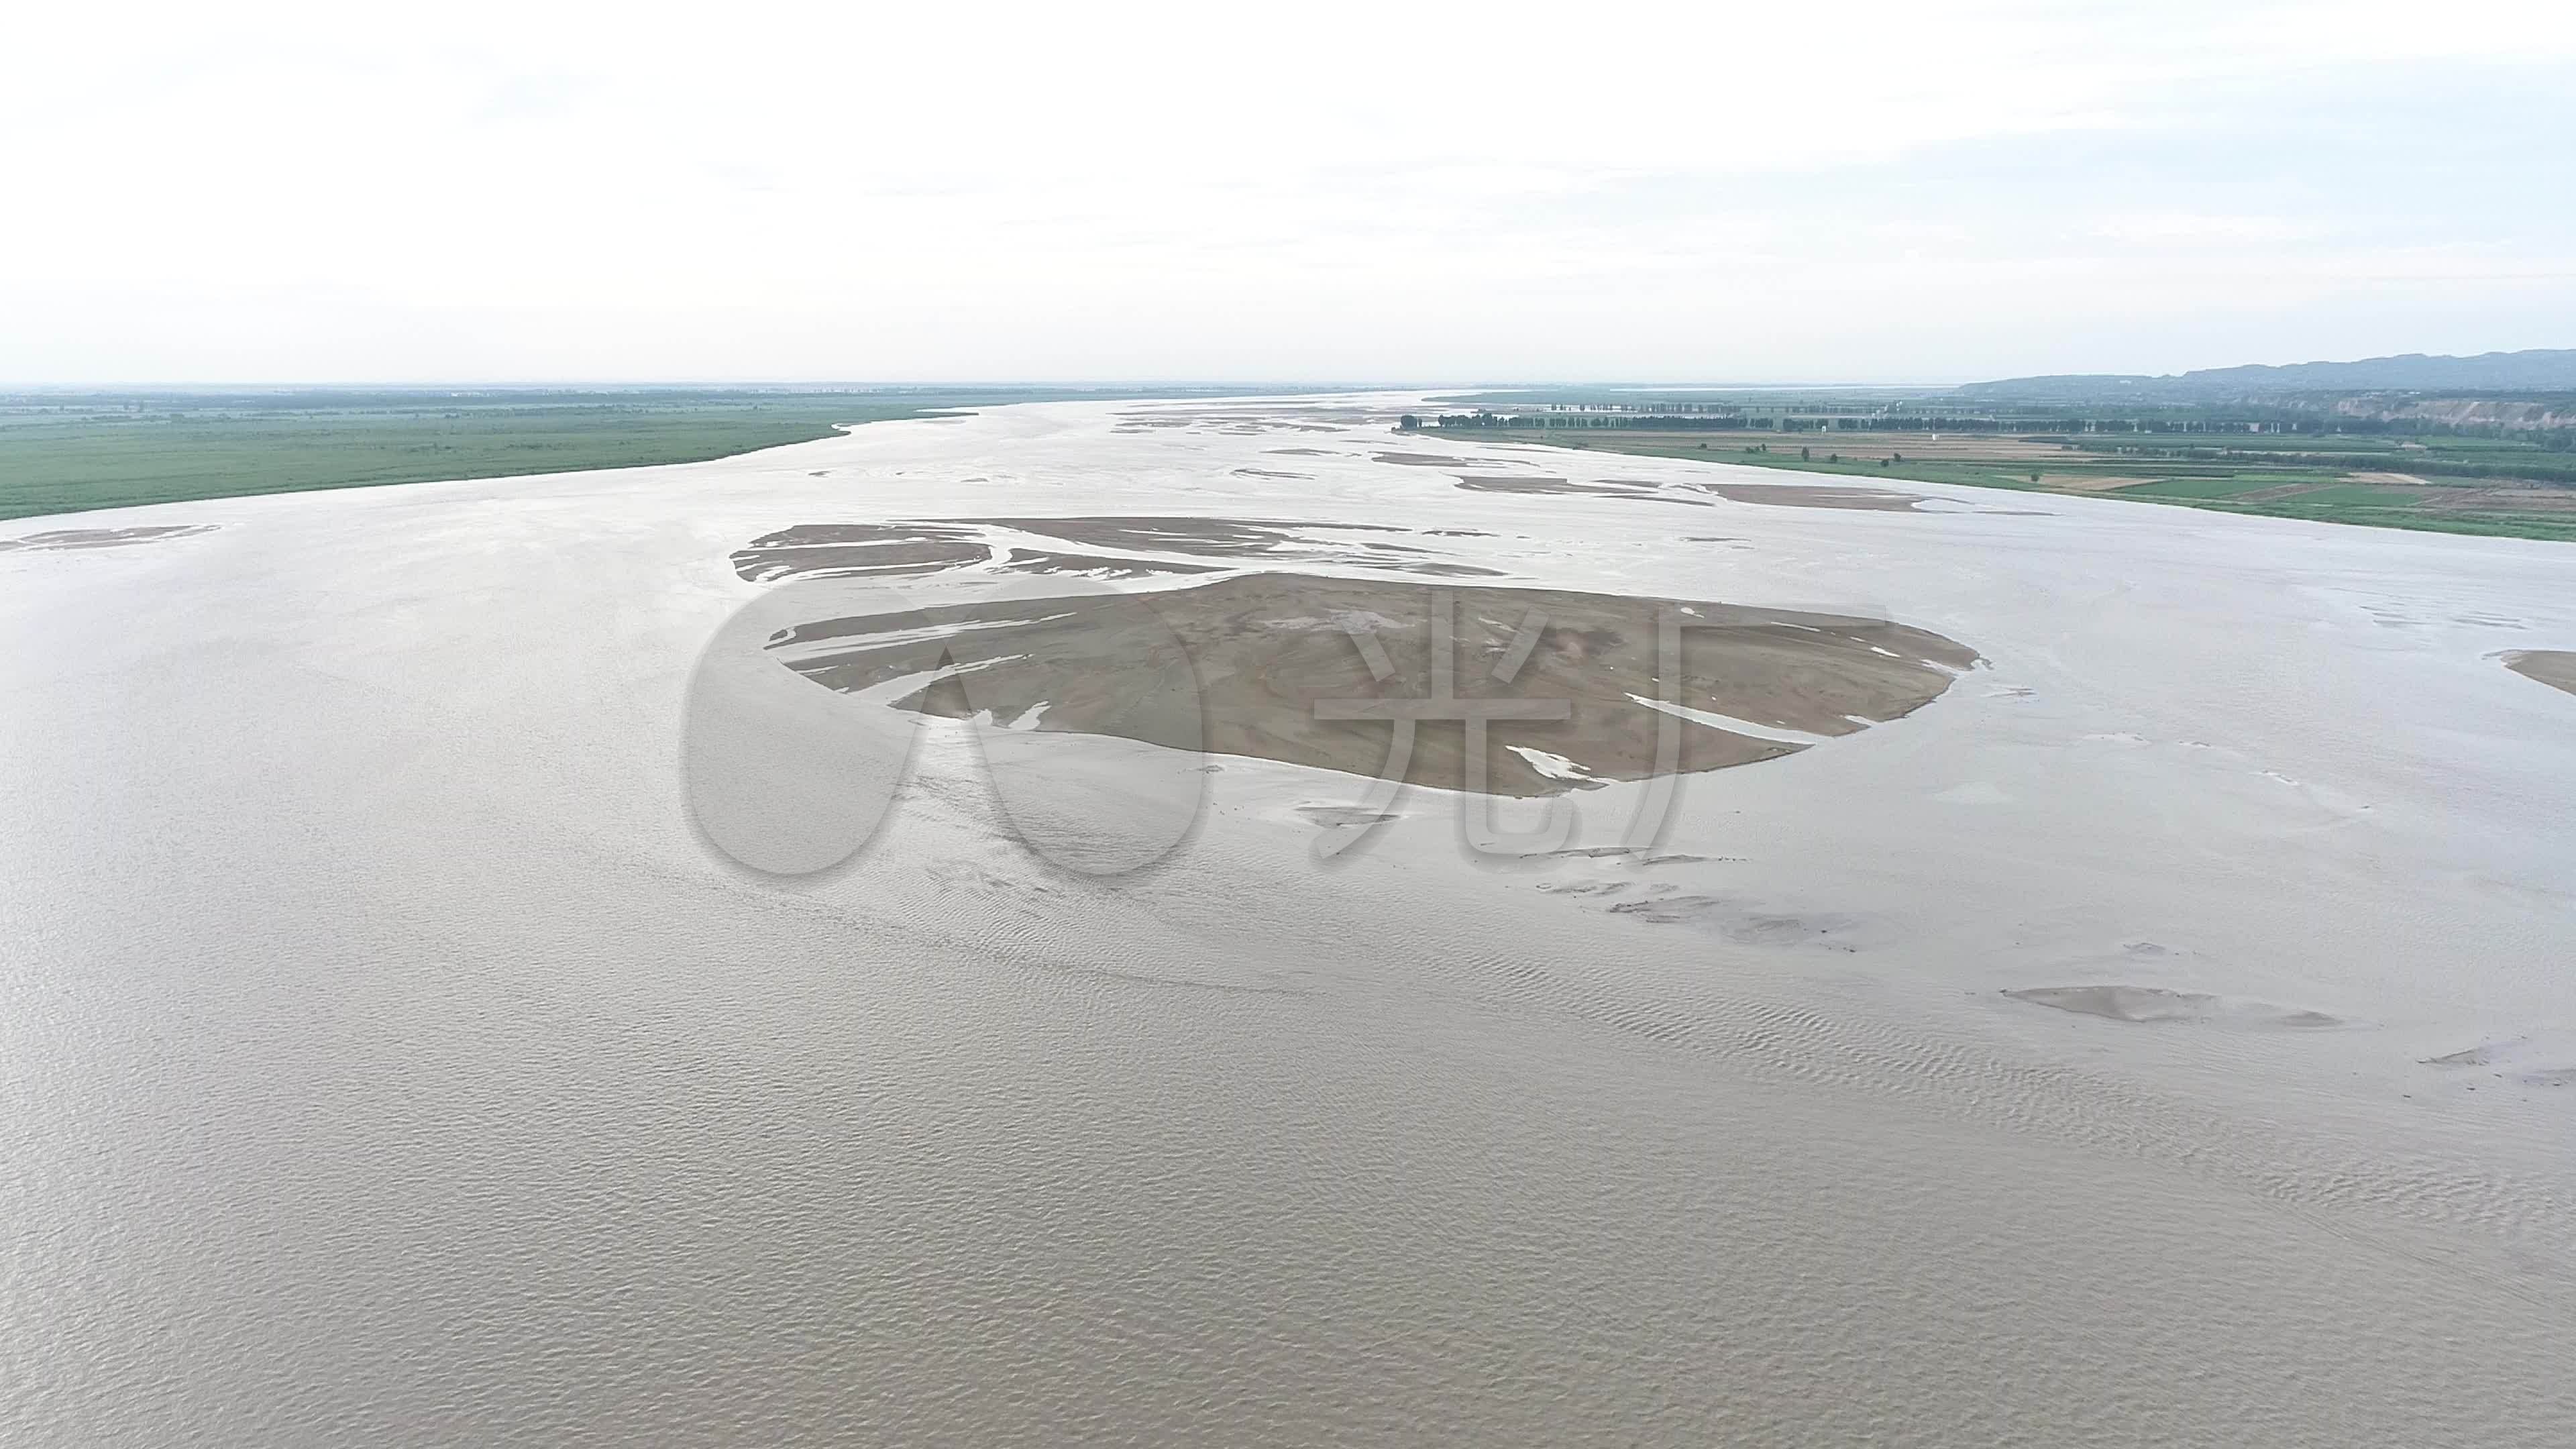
66	454
2515	488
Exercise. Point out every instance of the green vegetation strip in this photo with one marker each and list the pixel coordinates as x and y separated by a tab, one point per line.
64	454
2203	487
2320	493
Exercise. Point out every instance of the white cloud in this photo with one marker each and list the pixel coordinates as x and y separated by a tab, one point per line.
2190	227
526	190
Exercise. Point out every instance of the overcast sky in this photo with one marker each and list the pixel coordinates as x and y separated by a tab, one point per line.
1909	192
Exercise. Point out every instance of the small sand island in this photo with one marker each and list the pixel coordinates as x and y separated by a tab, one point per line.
2553	667
60	539
1240	666
2152	1004
1036	545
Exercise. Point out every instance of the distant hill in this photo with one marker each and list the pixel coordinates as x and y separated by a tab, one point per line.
2550	370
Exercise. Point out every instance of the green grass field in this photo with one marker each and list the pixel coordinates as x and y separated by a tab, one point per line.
2318	486
64	455
2204	488
2355	495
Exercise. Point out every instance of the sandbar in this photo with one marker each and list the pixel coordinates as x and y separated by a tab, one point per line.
1813	495
2553	667
828	550
1240	664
